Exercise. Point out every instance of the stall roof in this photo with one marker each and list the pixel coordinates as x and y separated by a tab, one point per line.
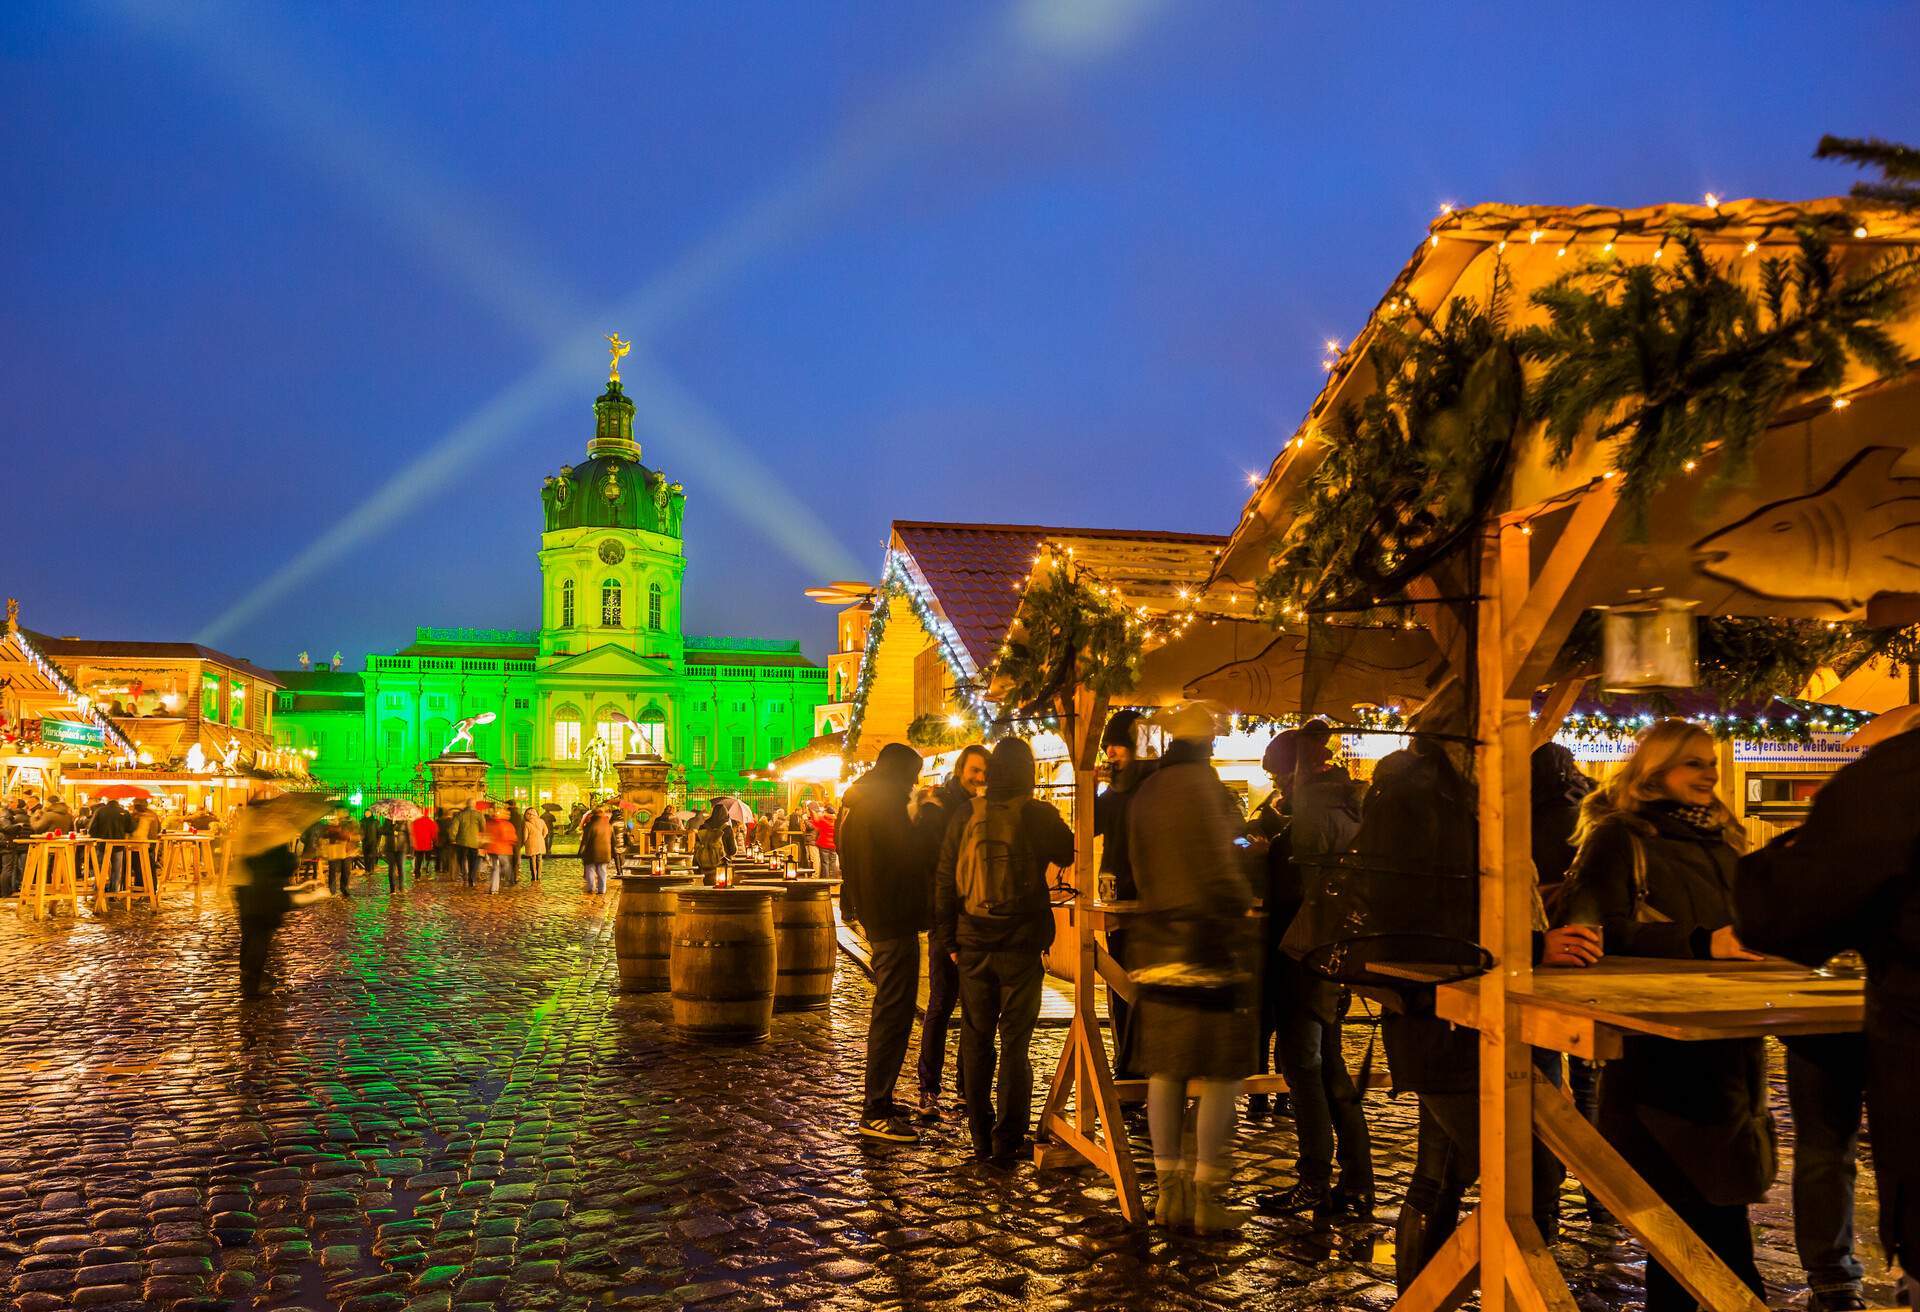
1533	244
97	649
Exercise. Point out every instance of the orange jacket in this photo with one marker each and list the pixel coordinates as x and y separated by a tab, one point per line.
500	834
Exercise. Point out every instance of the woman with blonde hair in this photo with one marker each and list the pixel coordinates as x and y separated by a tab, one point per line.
1657	854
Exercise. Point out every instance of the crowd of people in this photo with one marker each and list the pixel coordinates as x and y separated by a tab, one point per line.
1649	863
27	813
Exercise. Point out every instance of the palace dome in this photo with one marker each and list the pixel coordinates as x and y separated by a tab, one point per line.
611	488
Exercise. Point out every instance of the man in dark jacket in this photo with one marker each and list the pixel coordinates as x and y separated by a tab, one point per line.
112	821
997	948
954	800
883	871
1849	879
1125	773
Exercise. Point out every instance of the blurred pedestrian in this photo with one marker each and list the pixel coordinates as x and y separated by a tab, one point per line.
14	829
519	821
1655	869
713	843
993	919
885	892
1194	897
949	807
388	838
501	838
337	852
534	834
424	831
265	835
1327	1111
1124	772
468	833
1270	842
596	848
111	821
823	840
1848	880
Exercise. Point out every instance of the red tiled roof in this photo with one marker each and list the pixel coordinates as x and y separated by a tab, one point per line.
972	569
82	648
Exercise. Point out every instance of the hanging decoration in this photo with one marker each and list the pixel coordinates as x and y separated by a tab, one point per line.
1070	632
899	581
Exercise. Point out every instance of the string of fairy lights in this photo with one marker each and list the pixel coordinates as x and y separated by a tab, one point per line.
53	674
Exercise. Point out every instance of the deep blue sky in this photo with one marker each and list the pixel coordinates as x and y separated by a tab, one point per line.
1055	262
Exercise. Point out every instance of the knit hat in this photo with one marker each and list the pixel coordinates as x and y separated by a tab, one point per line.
1122	730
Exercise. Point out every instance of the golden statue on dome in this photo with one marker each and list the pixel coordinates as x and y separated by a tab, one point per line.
617	349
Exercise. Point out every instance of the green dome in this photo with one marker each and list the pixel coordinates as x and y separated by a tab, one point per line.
612	489
608	492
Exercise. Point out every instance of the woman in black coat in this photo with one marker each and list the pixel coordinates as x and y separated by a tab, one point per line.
1655	870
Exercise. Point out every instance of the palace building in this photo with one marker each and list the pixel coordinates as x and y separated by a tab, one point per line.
610	662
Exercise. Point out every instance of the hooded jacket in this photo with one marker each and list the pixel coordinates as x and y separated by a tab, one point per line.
883	863
1045	840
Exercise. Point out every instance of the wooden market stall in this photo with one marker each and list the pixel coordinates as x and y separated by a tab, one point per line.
1755	458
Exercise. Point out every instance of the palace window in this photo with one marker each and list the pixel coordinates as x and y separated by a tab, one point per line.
655	605
651	732
522	746
520	703
739	749
434	735
776	748
395	739
566	604
393	701
610	604
697	754
612	728
566	734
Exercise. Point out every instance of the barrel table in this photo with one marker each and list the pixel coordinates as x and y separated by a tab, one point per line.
722	963
643	930
805	944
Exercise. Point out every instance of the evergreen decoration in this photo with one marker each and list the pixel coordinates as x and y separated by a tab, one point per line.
898	581
1899	168
1409	469
934	732
1744	660
1071	632
1674	356
1785	721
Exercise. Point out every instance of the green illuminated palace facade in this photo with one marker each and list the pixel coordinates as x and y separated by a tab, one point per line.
609	661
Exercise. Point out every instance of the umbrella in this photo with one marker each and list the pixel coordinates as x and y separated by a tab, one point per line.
397	808
734	809
276	821
483	803
124	791
1877	730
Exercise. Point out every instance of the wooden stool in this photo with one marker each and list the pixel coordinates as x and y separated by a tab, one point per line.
51	876
139	862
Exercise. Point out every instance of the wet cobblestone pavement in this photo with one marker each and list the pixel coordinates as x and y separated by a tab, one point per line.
446	1106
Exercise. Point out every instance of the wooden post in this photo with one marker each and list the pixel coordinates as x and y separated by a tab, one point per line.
1095	1131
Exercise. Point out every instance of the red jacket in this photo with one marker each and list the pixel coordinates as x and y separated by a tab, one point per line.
425	833
501	835
823	832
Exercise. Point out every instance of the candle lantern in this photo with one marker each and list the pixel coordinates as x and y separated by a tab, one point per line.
1649	643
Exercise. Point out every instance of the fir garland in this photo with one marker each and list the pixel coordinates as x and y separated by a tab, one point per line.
1070	632
1675	355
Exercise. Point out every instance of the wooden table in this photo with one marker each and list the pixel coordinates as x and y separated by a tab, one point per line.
1589	1012
187	856
137	872
52	873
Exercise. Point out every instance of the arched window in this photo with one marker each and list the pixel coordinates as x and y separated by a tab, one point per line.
613	727
655	605
566	604
610	604
566	733
651	732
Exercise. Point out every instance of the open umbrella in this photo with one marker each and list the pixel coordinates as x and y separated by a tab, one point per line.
483	804
1877	730
276	821
122	792
397	808
734	809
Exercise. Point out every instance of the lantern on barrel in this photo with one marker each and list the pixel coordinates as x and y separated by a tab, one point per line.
659	864
792	871
723	877
1649	642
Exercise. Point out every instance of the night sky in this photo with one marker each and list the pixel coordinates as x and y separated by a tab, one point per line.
299	303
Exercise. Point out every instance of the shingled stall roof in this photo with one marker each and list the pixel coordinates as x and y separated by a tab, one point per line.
74	649
1535	245
975	573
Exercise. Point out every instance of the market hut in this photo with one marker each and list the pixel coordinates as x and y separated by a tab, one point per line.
1668	412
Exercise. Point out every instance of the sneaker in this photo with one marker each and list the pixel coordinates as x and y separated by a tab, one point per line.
1341	1204
929	1106
893	1129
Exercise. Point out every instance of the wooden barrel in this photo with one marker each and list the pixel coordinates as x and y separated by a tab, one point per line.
722	963
806	947
643	930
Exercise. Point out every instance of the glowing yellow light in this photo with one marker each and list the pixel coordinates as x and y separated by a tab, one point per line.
1689	467
1534	237
1659	251
956	721
1841	402
1713	201
1434	240
1752	246
1559	253
1860	232
1446	207
1503	244
1526	530
1611	473
1253	479
1607	249
1332	345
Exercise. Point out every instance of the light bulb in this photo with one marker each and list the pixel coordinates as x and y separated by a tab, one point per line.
1713	201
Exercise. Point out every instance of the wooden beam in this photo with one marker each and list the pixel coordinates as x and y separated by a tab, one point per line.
1533	1278
1632	1200
1553	711
1446	1280
1536	623
1115	975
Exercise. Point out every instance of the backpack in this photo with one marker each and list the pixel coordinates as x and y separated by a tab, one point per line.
709	848
987	871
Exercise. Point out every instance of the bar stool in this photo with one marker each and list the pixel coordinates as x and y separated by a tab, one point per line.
51	876
139	882
185	856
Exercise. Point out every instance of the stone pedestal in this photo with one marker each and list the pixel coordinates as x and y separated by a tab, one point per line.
643	784
456	779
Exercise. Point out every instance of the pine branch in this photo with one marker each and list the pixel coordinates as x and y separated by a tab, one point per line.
1894	161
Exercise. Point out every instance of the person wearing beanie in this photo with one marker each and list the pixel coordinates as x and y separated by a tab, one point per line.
883	872
1124	772
993	919
1194	898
